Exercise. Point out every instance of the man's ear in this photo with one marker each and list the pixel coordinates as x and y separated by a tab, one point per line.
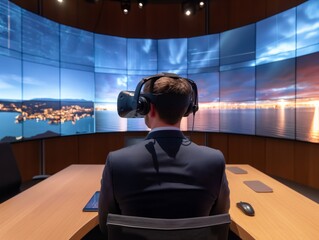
152	110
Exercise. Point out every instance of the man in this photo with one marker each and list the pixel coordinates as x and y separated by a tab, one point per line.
166	175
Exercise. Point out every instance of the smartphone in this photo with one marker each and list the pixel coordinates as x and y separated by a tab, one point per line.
92	204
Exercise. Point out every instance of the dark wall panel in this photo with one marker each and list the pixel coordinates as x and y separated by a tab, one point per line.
292	160
28	156
280	158
307	164
60	153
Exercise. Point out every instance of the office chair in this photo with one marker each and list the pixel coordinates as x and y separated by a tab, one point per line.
10	176
141	228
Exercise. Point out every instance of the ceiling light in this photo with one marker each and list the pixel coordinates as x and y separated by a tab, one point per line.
125	6
141	3
188	7
201	4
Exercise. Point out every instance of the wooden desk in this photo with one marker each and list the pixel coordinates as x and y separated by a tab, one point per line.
282	214
52	209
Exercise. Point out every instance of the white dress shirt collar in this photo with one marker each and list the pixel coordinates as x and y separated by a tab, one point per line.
165	128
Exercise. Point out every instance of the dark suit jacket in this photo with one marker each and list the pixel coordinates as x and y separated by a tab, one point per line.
165	176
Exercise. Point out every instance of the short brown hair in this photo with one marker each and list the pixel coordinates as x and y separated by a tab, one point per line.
173	97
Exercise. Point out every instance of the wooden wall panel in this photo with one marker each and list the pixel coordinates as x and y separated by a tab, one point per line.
246	149
291	160
30	5
162	18
60	152
93	149
27	155
274	7
259	153
307	164
218	141
244	12
113	19
64	13
196	137
195	24
218	16
280	158
239	149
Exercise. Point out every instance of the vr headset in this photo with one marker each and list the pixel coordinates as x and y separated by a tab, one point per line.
134	104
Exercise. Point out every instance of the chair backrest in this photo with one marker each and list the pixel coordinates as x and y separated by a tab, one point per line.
10	178
141	228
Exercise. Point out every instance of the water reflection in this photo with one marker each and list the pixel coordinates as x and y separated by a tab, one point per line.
314	130
281	118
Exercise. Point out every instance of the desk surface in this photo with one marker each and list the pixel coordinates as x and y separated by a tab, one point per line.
282	214
53	208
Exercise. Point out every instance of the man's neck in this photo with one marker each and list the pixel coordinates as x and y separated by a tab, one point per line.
167	127
161	124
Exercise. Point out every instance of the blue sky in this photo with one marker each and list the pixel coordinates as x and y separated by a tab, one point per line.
10	78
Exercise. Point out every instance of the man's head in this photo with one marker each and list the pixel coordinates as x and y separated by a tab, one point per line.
170	97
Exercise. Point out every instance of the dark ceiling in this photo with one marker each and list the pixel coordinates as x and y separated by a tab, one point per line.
159	18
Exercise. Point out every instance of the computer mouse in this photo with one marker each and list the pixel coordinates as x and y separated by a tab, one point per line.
246	208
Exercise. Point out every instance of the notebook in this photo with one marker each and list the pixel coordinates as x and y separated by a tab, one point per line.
236	170
258	186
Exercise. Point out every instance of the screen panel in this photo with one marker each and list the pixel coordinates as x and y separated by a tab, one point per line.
276	37
110	53
307	28
77	46
237	101
207	117
40	37
10	27
77	102
77	117
142	54
107	88
240	50
172	55
203	52
275	99
41	100
41	118
10	99
307	109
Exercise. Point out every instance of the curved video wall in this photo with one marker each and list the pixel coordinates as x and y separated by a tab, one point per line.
260	79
